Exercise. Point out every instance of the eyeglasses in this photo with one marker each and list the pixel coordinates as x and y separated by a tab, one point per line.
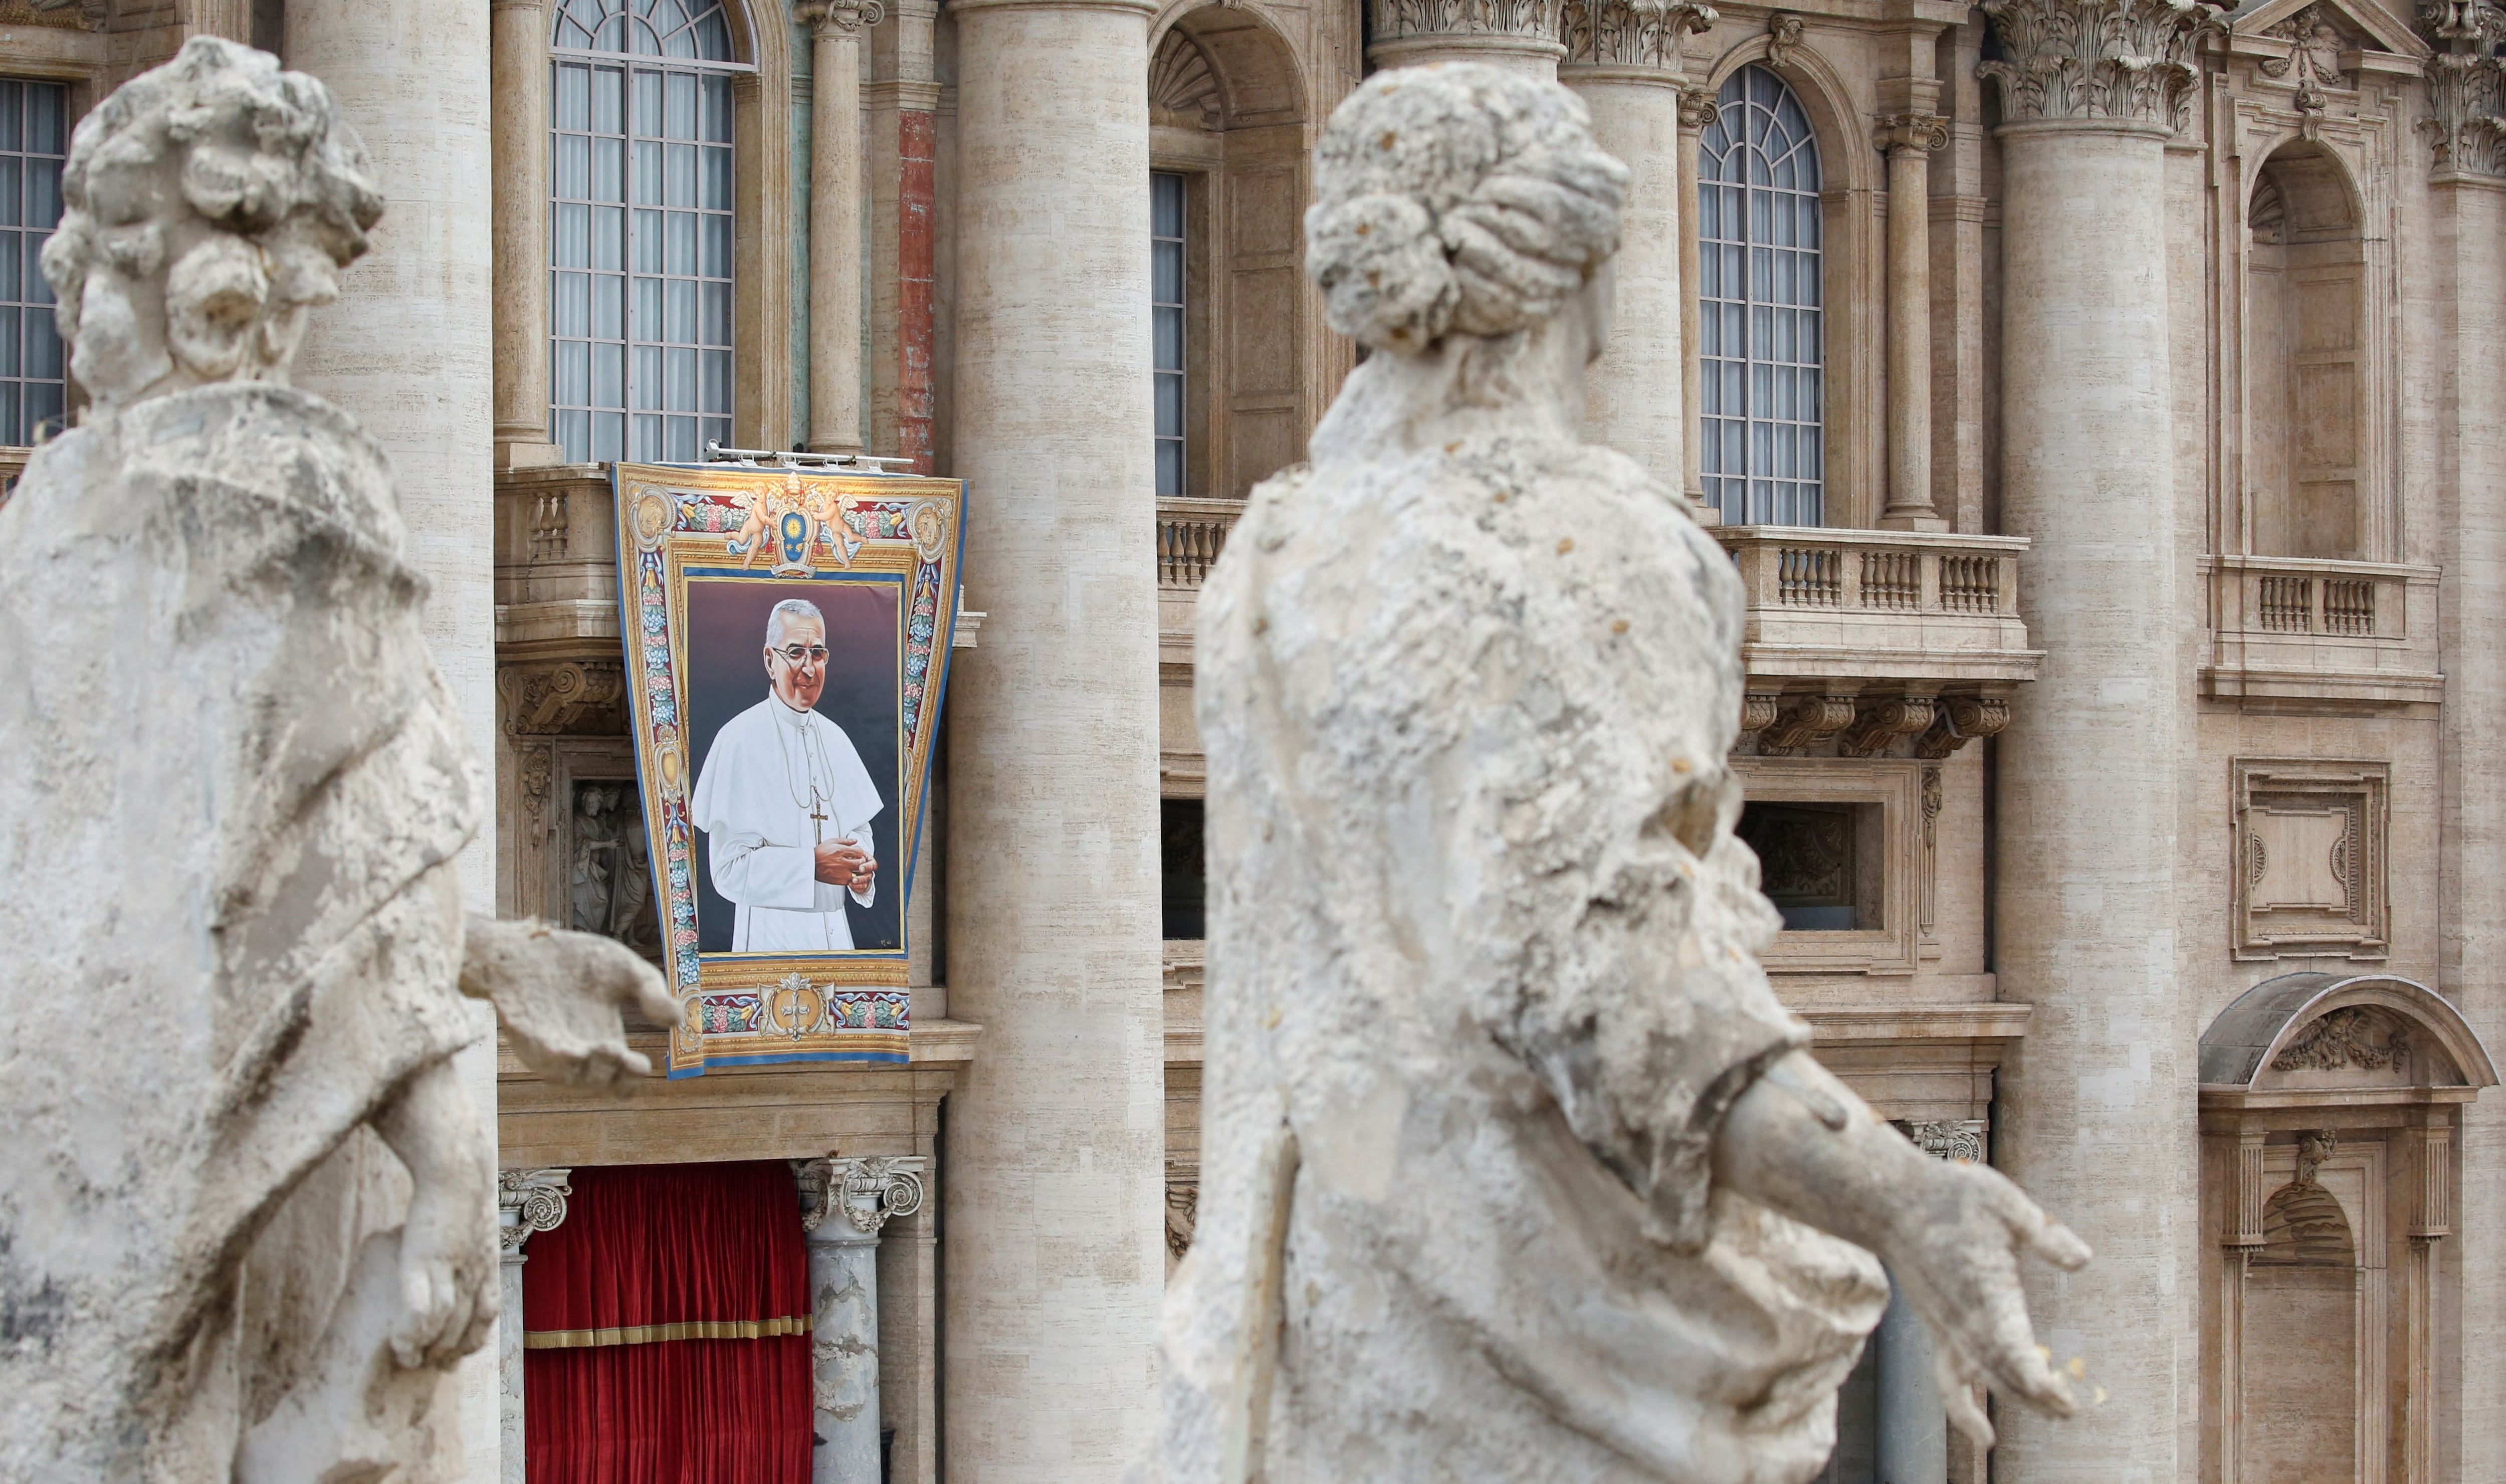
797	654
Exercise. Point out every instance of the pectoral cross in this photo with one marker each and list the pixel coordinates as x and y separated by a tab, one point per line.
818	816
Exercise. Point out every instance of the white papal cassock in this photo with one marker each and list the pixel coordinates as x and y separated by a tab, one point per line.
770	772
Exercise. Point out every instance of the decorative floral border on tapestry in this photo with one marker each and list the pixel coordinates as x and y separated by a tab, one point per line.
726	526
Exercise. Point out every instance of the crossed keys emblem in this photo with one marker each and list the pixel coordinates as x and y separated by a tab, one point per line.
794	1007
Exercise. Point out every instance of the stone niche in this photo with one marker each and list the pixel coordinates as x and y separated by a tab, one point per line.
2329	1109
2309	877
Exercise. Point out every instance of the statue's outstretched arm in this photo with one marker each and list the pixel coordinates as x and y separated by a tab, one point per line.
560	996
1801	1141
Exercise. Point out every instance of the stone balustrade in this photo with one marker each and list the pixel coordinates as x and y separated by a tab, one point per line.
2287	629
1191	533
1880	606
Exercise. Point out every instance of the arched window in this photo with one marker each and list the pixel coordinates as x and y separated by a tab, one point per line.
1760	338
639	229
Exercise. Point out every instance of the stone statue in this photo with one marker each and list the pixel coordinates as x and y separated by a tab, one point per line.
1512	1166
246	1210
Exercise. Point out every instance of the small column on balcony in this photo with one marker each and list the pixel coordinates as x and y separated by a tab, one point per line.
835	218
1909	140
1622	60
529	1202
1520	38
845	1203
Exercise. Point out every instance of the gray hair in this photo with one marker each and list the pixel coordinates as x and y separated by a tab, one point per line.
1456	199
791	608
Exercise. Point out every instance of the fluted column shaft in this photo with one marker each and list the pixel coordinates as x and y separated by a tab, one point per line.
2467	250
518	66
1908	140
2087	888
1056	1134
836	221
1624	62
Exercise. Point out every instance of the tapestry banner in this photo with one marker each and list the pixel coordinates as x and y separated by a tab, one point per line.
787	634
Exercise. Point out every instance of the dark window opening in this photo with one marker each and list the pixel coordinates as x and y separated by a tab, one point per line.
1183	869
1819	864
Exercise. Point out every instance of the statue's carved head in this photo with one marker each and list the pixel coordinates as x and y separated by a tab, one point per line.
211	202
1457	198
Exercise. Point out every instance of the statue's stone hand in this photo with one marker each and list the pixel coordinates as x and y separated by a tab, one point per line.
447	1245
1958	1236
561	996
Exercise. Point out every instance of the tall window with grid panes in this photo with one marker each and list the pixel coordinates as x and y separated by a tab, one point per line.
1165	317
34	135
1760	336
640	229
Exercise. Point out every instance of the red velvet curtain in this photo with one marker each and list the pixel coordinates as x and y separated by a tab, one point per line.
666	1329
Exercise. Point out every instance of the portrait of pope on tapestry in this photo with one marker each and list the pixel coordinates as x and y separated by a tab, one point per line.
793	792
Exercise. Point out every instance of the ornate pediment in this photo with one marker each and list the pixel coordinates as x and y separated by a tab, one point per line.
2353	27
2325	1036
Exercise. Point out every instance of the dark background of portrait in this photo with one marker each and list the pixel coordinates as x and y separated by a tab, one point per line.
726	628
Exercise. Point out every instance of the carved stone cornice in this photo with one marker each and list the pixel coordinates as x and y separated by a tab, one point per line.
2468	129
561	695
1424	20
2126	61
1629	33
865	1190
839	17
1911	133
529	1202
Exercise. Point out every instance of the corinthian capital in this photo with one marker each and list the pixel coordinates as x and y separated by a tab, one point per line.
839	17
2125	60
1911	133
1432	19
1629	33
2468	127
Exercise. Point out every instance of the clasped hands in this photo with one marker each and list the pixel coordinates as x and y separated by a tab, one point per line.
844	863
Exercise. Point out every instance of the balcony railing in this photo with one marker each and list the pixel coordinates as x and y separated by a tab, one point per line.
2287	629
1191	533
1830	605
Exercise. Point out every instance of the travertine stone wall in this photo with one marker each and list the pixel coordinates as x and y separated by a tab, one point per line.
2088	824
1052	1175
410	354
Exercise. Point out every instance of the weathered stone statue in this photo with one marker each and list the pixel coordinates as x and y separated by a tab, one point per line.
1514	1168
246	1211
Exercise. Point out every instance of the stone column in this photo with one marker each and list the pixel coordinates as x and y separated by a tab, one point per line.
836	219
1914	1428
519	67
1908	140
529	1202
2468	265
408	351
2431	1151
1056	1134
1697	109
843	1204
2088	924
1520	38
1622	60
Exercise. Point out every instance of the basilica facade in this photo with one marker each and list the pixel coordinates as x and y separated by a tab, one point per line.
2098	399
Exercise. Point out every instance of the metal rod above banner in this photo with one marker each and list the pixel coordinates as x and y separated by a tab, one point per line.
777	458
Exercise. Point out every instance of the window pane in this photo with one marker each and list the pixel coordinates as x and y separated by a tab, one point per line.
34	130
1166	325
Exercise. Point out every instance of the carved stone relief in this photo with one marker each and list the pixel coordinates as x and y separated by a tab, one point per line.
1183	88
1407	19
1631	33
2310	871
2464	85
2353	1037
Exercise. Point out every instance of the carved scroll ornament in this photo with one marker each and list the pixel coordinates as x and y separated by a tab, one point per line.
867	1190
2127	60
